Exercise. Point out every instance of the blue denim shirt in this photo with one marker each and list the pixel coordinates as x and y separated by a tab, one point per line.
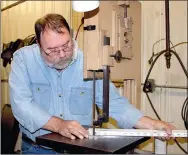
38	92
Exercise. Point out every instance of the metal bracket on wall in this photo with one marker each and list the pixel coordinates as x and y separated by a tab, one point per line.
150	86
4	80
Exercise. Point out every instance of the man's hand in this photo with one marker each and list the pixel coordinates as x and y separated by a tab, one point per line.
149	123
161	125
66	128
70	129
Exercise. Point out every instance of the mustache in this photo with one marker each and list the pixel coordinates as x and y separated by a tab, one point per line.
64	60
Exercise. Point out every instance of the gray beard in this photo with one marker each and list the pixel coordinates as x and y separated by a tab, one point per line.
62	65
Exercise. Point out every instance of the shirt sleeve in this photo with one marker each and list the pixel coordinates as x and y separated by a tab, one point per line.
25	110
120	109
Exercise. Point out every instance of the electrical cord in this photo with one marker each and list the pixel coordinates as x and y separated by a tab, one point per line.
158	55
82	22
153	54
184	111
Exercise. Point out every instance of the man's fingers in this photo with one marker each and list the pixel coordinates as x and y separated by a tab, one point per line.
160	138
73	129
163	138
168	131
166	138
83	131
68	135
76	133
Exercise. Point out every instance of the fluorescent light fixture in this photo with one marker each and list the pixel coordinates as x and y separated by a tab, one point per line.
84	6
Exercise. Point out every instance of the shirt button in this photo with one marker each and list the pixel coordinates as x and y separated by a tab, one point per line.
60	95
61	115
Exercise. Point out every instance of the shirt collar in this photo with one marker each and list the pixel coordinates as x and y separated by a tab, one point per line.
75	51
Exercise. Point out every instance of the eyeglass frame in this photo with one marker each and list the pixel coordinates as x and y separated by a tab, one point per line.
58	52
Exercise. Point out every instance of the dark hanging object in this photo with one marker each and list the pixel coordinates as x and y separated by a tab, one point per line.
10	48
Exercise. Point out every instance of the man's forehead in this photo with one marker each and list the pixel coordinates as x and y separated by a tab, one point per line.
48	31
51	39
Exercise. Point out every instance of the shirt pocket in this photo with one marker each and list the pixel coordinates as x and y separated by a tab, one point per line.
80	101
42	94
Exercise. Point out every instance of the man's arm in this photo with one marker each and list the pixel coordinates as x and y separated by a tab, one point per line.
152	124
28	113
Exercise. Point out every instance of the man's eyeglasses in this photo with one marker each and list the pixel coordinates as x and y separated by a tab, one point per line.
55	51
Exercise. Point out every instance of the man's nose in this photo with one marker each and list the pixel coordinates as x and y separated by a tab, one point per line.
62	54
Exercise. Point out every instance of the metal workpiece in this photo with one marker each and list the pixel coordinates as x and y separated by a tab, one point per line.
136	132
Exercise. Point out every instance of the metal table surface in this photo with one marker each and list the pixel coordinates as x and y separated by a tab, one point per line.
95	144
